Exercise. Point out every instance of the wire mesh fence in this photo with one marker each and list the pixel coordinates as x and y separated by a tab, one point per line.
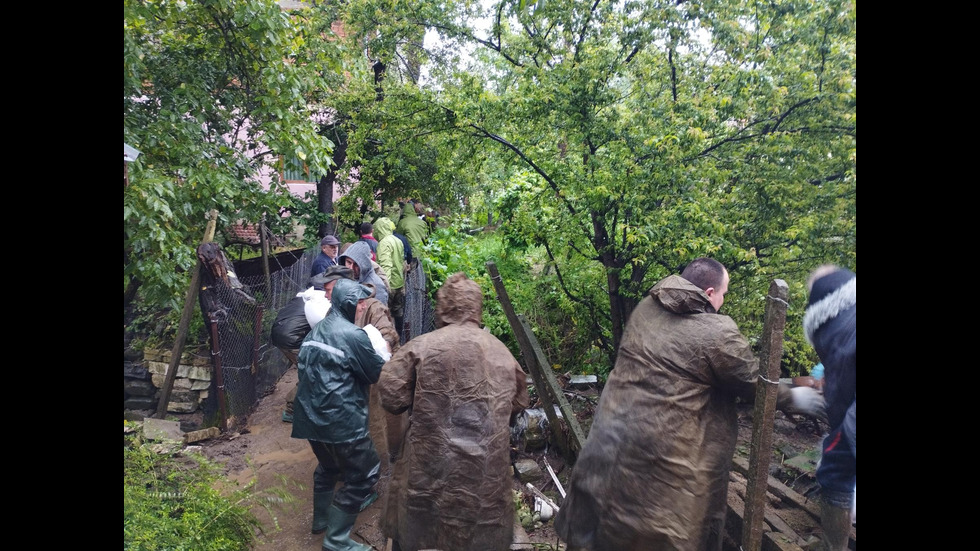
246	365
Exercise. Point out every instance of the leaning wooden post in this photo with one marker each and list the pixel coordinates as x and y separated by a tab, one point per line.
539	367
185	322
764	414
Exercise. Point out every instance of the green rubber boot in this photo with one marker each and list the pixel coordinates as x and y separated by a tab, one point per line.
836	525
321	505
339	524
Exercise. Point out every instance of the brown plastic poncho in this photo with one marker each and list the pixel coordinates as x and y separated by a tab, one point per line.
451	488
653	473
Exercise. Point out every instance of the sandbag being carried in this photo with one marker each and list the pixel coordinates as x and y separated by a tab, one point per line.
290	327
316	305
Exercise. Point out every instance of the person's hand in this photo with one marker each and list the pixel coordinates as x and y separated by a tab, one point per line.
809	401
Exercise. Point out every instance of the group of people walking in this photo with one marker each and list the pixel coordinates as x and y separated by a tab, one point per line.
653	473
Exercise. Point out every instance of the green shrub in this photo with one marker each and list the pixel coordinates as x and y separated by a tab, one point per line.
176	501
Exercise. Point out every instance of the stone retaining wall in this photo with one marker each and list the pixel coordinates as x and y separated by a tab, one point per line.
144	376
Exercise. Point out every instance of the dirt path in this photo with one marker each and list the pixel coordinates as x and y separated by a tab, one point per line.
267	453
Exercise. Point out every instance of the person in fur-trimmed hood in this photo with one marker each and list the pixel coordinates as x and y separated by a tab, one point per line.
830	325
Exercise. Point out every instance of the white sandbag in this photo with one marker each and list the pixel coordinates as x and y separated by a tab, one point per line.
315	305
379	342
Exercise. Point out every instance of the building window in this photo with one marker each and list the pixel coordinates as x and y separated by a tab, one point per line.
294	170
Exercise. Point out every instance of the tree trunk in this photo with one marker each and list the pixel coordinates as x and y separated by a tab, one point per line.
325	187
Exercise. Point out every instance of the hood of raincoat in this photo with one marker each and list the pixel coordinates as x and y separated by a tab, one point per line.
680	296
383	227
459	300
360	253
346	293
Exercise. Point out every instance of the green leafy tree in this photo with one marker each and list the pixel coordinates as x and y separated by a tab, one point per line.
215	93
645	134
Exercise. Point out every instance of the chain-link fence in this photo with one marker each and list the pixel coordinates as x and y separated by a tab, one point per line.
240	320
418	318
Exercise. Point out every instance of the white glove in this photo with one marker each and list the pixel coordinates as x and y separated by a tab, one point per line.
808	401
379	342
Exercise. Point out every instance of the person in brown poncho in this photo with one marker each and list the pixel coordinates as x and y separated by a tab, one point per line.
653	473
451	488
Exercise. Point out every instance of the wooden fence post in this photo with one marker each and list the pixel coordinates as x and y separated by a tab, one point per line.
764	414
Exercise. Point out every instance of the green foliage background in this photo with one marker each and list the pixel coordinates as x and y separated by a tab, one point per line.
607	143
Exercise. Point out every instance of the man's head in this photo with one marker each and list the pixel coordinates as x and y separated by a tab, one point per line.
329	245
331	276
711	277
367	228
419	208
357	257
353	267
821	271
346	296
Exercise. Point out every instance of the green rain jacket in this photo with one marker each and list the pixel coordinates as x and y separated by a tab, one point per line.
337	365
391	252
412	227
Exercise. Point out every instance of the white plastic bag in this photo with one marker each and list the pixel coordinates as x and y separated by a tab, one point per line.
315	305
379	342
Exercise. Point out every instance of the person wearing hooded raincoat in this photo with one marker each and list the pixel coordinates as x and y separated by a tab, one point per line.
452	487
653	472
359	253
830	325
391	257
411	224
337	365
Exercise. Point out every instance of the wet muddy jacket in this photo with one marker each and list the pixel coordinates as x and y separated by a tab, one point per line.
451	488
653	473
337	365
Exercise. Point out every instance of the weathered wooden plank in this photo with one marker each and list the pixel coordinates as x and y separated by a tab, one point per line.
185	322
769	541
790	496
530	360
577	437
539	367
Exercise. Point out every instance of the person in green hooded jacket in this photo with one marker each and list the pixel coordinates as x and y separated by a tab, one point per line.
413	226
391	258
337	365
